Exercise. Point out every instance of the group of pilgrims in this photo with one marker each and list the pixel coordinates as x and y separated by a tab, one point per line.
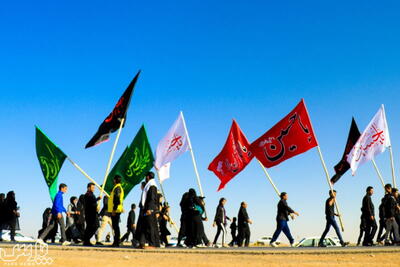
149	229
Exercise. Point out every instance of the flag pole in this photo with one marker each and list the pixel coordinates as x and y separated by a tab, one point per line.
392	165
112	155
165	200
330	185
193	160
269	178
87	176
379	173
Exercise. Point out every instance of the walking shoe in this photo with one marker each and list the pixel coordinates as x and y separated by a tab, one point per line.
40	241
273	244
344	244
321	245
225	246
66	243
216	246
99	243
292	245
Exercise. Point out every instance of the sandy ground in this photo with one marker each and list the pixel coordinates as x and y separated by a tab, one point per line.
108	257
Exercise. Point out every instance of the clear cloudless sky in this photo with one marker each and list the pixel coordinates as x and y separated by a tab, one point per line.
64	64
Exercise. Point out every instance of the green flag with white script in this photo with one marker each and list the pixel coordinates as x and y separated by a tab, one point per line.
51	159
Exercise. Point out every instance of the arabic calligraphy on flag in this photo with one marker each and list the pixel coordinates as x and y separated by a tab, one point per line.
373	141
291	136
174	143
234	156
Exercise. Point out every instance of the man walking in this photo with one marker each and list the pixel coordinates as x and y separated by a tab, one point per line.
243	226
330	219
131	226
391	207
150	202
91	217
105	220
368	217
282	218
57	216
115	207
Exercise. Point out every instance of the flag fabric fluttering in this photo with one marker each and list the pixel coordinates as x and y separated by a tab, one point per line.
373	141
173	144
343	166
51	159
291	136
234	156
163	172
113	121
136	160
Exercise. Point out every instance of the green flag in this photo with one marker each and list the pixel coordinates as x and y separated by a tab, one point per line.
134	163
51	159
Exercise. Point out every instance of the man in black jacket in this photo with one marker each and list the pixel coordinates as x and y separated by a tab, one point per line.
282	218
391	207
150	202
91	216
131	225
243	226
381	221
330	219
368	217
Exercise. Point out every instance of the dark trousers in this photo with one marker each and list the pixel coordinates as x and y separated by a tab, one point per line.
244	235
53	223
330	221
150	232
91	228
182	230
220	229
234	238
282	225
381	228
370	231
115	225
129	231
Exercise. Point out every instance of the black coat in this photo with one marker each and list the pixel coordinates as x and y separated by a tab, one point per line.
283	210
367	208
151	202
243	217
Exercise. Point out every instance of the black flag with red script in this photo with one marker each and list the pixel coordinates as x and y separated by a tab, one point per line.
291	136
342	167
113	121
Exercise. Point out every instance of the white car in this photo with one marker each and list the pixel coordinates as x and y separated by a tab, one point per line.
265	240
18	237
314	241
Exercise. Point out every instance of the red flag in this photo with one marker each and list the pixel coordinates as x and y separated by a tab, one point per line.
291	136
233	158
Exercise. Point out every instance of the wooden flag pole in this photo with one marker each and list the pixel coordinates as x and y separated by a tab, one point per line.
165	200
194	161
379	173
87	176
392	165
112	155
270	179
330	186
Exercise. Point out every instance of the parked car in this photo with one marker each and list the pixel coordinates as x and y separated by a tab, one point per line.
18	237
265	240
314	241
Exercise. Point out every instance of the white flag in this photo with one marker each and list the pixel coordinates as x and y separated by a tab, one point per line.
174	143
373	141
163	172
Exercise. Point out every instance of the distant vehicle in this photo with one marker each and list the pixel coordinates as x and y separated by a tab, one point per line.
265	240
18	237
314	241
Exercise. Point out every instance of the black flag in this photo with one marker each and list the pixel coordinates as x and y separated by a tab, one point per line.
113	121
343	165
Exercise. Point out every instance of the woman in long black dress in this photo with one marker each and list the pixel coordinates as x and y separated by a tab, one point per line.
163	221
12	214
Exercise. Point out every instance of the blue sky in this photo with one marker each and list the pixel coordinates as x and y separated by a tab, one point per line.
64	64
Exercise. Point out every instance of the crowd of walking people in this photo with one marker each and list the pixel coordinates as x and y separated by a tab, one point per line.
149	225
